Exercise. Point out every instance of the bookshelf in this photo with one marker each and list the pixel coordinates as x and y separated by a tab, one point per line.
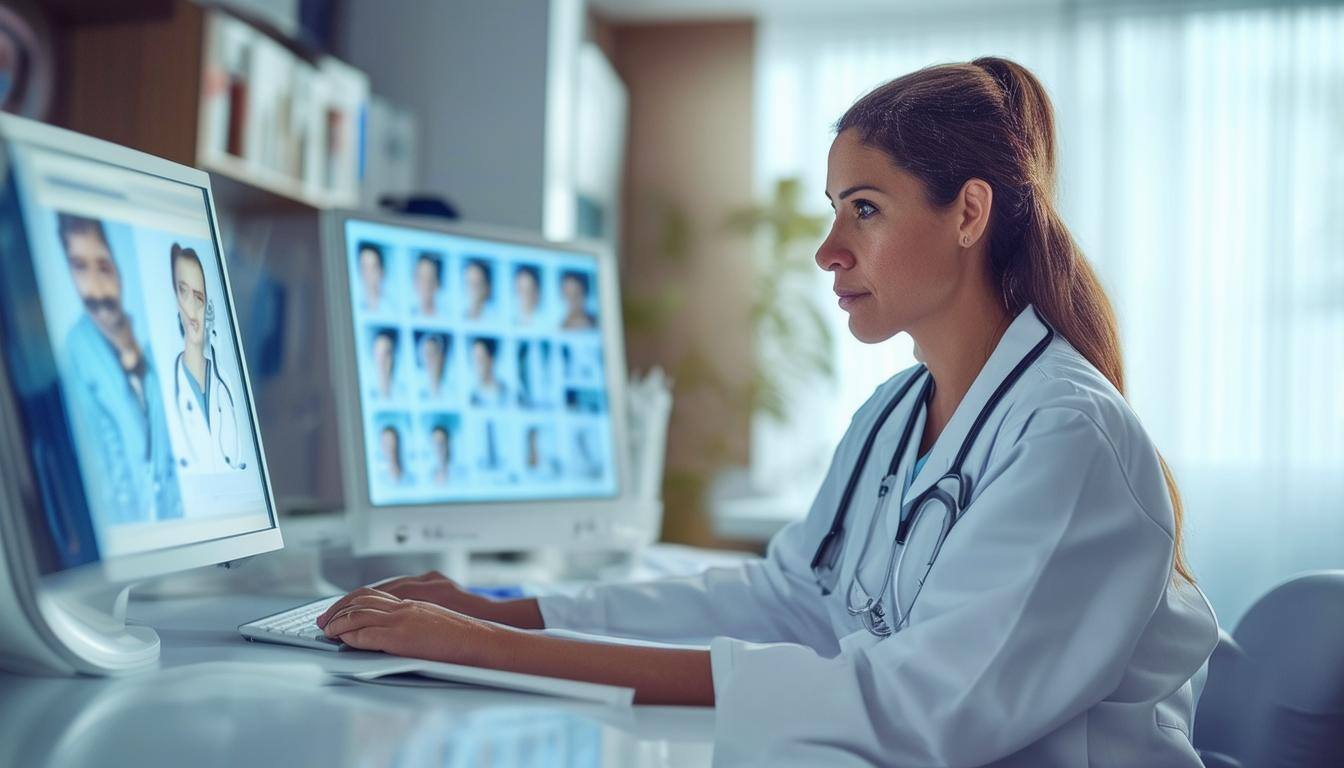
276	126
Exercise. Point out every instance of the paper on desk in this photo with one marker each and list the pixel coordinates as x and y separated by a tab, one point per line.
610	695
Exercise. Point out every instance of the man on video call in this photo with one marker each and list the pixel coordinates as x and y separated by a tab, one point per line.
115	396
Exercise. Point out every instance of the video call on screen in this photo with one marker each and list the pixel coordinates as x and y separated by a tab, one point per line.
136	311
481	368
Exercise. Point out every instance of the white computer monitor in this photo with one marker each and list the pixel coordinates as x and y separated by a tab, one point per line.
130	445
480	388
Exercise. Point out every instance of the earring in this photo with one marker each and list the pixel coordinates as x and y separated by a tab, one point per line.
965	240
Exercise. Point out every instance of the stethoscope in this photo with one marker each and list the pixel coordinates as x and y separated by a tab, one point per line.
949	495
215	382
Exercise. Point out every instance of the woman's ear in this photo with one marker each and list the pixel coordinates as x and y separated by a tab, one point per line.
974	204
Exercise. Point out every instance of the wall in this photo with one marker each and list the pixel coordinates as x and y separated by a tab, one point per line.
475	78
690	152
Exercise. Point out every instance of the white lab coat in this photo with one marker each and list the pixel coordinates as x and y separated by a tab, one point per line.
1050	631
207	442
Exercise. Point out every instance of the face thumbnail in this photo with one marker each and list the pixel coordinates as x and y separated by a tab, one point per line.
427	284
390	442
384	357
574	289
441	446
528	292
433	352
477	284
96	278
484	360
371	276
576	296
533	448
189	281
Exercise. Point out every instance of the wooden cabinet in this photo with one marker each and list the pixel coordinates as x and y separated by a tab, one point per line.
272	123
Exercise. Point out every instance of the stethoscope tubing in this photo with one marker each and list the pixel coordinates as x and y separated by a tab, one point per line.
212	378
827	550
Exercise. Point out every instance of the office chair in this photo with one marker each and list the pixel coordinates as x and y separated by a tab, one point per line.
1275	690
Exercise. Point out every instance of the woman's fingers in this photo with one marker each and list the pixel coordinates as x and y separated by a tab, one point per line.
402	581
405	628
376	602
383	586
356	617
345	601
424	586
417	590
372	638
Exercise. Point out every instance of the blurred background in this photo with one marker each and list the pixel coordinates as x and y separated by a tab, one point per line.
1201	167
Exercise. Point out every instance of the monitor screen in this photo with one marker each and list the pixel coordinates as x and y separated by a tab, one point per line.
481	368
123	361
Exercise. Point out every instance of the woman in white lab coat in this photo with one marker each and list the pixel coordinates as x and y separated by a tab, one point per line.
1057	624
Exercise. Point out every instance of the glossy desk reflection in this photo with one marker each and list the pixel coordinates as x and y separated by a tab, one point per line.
218	700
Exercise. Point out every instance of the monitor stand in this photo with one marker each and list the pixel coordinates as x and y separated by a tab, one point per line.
295	571
91	625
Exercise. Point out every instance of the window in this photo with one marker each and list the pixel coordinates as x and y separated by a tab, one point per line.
1202	172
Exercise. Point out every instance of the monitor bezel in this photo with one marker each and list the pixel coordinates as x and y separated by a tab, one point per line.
570	523
130	568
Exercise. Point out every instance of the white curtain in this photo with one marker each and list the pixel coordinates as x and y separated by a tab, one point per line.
1202	171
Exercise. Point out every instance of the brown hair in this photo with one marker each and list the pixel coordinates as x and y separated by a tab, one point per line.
992	120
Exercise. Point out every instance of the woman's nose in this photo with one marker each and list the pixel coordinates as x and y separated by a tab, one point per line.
833	255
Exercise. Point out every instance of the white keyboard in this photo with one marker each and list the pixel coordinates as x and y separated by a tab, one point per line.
295	626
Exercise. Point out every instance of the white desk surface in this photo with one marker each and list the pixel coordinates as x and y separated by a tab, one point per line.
218	700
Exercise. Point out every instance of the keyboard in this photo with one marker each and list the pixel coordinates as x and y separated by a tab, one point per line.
295	626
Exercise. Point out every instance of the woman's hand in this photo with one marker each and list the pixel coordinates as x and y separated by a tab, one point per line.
373	620
434	587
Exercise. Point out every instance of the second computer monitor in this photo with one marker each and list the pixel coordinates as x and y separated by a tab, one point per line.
480	387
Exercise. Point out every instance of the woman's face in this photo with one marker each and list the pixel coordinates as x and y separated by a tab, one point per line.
894	255
190	283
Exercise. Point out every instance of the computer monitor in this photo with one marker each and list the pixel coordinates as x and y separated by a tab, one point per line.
130	446
480	385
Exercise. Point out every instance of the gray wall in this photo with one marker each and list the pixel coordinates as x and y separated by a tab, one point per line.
473	72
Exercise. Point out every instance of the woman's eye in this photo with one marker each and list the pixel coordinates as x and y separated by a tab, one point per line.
863	209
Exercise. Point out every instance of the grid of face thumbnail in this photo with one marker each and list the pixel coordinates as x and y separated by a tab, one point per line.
481	368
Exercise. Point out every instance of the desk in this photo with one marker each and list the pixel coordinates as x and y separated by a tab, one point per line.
218	700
